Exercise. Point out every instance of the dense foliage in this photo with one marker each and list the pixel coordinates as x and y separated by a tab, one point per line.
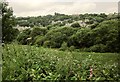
31	63
87	32
8	21
102	38
61	19
60	47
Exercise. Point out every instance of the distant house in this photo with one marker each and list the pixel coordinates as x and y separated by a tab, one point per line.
21	28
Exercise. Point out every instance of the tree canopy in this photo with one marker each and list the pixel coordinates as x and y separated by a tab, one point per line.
8	21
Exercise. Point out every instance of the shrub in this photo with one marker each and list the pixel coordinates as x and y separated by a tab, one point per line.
97	48
107	33
63	46
39	40
75	25
49	44
59	35
72	48
38	31
22	37
81	38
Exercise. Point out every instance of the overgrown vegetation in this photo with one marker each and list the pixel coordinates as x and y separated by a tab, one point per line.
8	21
30	63
103	38
60	47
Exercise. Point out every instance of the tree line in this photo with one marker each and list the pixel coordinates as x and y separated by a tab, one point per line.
100	35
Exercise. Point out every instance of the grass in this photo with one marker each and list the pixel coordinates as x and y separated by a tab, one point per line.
22	62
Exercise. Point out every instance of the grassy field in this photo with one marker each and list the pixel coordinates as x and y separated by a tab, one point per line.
22	62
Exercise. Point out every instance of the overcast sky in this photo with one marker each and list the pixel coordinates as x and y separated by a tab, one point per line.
45	7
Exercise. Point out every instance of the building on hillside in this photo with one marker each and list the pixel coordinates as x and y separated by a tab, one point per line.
21	28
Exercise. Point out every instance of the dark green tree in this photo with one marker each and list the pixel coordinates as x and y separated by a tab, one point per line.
81	39
8	21
59	35
38	31
23	36
75	25
107	34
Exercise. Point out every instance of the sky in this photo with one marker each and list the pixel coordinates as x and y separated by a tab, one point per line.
44	7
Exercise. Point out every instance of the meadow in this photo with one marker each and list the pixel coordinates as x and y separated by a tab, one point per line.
24	62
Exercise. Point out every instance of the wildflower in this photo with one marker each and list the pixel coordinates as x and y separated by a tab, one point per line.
91	72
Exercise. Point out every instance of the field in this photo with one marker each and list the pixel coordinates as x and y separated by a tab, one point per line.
24	62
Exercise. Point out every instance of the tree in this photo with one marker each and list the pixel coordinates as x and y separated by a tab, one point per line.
106	33
81	39
59	35
23	36
38	31
75	25
8	21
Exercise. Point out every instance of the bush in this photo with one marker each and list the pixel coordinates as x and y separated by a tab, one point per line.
92	26
22	37
49	44
81	38
39	40
75	25
38	31
72	48
63	46
106	33
59	35
97	48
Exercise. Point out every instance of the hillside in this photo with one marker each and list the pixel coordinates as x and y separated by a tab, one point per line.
59	47
58	19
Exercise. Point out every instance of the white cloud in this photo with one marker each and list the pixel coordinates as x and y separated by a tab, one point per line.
114	9
44	7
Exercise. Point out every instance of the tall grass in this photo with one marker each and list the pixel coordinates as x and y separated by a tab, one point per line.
22	62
